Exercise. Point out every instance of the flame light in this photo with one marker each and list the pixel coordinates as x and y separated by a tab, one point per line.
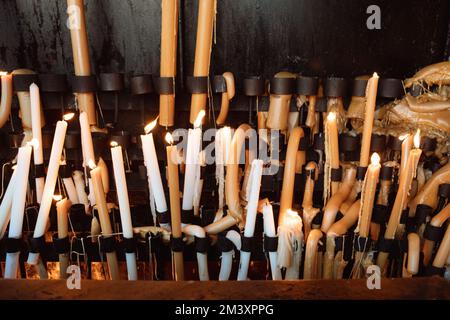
68	116
169	138
57	197
149	127
3	73
403	137
331	116
113	144
34	143
375	159
199	119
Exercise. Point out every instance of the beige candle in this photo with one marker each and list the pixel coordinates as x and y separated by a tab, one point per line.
6	98
80	50
332	149
169	29
368	195
403	189
206	15
443	251
175	211
103	214
226	97
62	210
371	97
278	114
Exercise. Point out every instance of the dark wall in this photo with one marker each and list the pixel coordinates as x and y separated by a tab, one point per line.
253	36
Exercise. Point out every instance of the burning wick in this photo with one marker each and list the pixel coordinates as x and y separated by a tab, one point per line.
149	127
91	164
113	144
68	116
417	139
375	159
169	138
199	119
57	197
331	116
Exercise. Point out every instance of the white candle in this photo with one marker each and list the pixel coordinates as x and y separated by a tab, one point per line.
71	190
50	182
269	231
18	208
62	211
252	206
5	207
6	97
124	205
80	187
153	173
86	140
37	136
222	148
192	162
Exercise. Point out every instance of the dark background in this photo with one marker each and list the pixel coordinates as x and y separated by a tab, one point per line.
253	36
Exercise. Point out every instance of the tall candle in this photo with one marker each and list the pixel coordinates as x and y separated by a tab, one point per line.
18	208
62	212
175	212
333	147
269	231
192	162
368	195
169	28
407	143
252	205
205	22
402	194
6	98
49	187
80	51
222	148
87	147
37	136
153	173
103	215
5	207
80	187
124	206
371	97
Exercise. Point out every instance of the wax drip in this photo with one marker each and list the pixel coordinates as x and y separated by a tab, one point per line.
327	166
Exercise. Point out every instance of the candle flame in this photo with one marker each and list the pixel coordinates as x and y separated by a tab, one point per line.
3	73
403	137
57	197
375	159
34	143
149	127
331	116
169	138
199	119
14	167
113	144
417	139
68	116
91	164
375	75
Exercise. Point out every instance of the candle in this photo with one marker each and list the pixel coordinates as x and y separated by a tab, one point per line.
402	194
18	208
194	145
124	205
287	191
71	190
368	196
6	99
49	187
103	214
269	231
80	187
153	173
80	51
5	207
206	15
175	212
37	136
169	28
87	149
331	152
252	205
407	143
222	148
371	98
62	211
